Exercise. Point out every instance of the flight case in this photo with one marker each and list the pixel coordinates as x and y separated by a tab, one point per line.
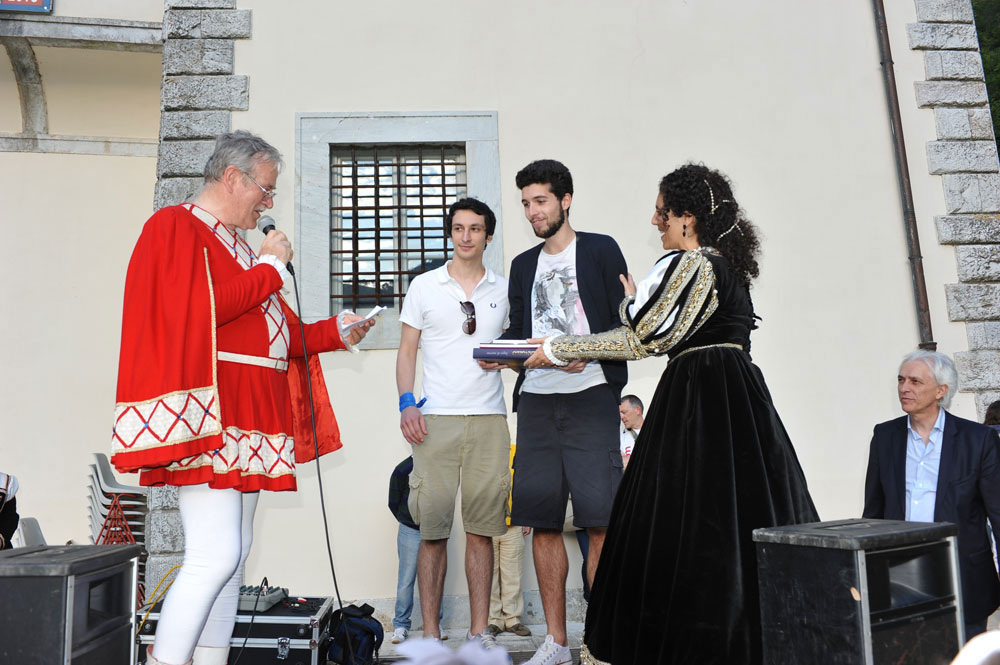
290	633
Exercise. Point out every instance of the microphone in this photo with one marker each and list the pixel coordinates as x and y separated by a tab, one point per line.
265	225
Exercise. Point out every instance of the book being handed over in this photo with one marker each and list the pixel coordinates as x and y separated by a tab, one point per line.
504	350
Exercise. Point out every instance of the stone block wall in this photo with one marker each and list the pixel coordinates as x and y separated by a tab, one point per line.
965	156
199	90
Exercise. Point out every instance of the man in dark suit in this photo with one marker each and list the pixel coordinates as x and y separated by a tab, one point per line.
932	466
567	425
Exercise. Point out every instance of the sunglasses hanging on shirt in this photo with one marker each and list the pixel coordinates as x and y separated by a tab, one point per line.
469	325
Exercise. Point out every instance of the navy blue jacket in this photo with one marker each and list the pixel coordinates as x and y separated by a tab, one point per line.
968	493
599	261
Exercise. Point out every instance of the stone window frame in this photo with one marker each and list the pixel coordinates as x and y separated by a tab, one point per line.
316	132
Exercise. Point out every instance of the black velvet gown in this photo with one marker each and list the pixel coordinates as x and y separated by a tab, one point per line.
677	580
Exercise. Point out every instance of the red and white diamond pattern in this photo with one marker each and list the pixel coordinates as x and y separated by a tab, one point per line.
277	327
169	419
252	453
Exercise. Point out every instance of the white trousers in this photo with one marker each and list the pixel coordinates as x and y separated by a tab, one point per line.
200	608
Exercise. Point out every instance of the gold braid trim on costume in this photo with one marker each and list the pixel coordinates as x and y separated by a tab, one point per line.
587	658
619	344
626	343
623	308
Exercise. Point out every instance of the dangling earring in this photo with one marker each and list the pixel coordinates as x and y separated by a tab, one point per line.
684	230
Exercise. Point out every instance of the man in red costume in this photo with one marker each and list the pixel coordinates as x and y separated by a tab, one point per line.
212	393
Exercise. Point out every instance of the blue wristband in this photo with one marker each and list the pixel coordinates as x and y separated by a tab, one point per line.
408	400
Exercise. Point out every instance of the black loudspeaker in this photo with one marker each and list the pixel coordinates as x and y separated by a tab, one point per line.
860	592
72	605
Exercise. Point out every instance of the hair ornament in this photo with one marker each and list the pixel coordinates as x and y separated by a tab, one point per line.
736	225
711	196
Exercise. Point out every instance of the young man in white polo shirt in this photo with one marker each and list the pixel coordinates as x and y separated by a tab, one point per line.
459	429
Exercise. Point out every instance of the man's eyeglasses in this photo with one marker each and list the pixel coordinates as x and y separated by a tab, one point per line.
268	193
469	325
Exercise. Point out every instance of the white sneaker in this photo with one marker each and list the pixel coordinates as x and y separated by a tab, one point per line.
485	638
551	653
399	635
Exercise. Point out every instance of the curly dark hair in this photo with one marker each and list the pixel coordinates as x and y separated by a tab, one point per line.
546	172
476	206
695	188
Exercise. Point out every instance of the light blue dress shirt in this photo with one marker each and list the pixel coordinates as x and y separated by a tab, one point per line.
922	463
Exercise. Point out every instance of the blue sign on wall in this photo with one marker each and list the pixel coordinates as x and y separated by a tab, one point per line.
41	6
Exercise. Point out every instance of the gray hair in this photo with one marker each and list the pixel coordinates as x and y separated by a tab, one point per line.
942	369
242	150
633	401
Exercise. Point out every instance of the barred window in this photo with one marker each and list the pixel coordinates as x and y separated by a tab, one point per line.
373	189
388	205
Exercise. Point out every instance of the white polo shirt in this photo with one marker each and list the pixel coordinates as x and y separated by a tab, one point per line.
452	381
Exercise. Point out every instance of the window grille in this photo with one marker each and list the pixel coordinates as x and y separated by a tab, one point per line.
388	204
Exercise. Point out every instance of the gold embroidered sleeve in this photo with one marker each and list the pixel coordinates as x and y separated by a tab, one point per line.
623	308
618	344
688	294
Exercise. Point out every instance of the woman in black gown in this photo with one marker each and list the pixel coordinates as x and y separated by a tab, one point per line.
677	579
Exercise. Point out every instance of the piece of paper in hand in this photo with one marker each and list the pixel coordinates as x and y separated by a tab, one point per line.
375	311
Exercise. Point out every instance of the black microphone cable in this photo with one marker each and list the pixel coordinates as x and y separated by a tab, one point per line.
265	224
253	615
319	475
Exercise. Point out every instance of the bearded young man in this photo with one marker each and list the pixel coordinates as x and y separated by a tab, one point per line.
567	425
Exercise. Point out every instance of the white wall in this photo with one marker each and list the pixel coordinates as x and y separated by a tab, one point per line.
784	96
70	222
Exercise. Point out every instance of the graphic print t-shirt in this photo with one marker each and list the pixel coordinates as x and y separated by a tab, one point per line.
556	308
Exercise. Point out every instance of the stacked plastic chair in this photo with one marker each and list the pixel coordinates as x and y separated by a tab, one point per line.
117	513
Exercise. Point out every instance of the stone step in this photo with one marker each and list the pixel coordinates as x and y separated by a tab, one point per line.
519	648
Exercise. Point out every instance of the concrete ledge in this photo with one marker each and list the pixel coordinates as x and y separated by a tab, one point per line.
95	33
194	124
967	229
942	36
950	93
962	157
978	263
978	370
79	145
456	609
971	192
200	4
959	65
963	123
956	11
181	93
973	302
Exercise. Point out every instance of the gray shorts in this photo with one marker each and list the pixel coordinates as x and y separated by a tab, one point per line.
567	444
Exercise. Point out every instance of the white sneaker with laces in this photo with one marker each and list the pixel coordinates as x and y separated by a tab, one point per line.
486	638
399	635
551	653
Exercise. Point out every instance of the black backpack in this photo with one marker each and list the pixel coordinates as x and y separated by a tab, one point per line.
365	636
